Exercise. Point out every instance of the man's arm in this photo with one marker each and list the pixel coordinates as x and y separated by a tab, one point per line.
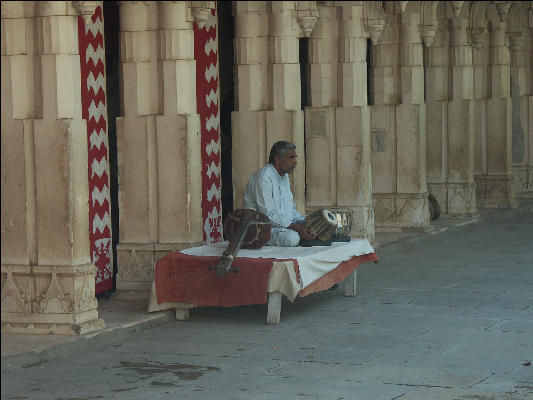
303	231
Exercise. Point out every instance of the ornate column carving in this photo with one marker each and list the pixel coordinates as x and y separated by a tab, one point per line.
374	19
86	9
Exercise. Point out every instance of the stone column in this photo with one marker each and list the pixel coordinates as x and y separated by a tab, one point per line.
494	189
352	123
48	280
268	91
320	127
285	119
158	140
253	94
411	189
437	100
522	181
398	132
461	199
383	126
480	60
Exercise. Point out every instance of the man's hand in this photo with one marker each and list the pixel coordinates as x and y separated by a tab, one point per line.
303	231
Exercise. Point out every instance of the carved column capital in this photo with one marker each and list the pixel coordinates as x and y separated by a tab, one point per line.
456	7
503	9
403	6
307	24
86	9
306	16
428	35
374	32
477	37
200	12
516	40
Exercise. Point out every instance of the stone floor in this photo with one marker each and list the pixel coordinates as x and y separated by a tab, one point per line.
446	314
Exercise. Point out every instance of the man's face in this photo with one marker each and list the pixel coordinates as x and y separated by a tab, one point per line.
287	163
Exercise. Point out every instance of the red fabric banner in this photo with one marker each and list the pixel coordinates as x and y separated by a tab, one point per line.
94	111
207	99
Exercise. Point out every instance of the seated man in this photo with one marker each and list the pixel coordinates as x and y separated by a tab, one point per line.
269	192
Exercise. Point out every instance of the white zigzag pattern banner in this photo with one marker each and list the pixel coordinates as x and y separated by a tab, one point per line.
95	84
101	195
94	27
212	97
101	223
213	192
212	147
97	138
211	22
213	169
210	73
99	167
96	55
212	218
210	46
97	112
212	122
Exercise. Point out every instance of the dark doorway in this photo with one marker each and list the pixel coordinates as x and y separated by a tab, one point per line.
111	42
304	68
369	73
225	68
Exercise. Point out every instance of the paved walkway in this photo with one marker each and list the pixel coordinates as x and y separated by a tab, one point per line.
445	315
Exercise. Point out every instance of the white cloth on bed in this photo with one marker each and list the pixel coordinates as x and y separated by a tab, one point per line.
314	262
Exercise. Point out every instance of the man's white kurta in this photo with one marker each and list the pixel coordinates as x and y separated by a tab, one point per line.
270	193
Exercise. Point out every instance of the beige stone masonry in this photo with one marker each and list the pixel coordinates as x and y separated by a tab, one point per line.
405	206
495	189
522	131
48	281
450	131
158	140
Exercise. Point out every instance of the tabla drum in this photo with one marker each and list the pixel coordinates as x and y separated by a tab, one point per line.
258	233
345	220
322	223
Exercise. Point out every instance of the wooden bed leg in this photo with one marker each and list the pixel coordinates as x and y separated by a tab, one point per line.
182	314
350	290
274	308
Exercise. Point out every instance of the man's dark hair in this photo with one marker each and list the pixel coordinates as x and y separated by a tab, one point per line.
280	149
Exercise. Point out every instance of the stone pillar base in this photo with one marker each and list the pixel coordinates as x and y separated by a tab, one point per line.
456	200
495	191
523	180
49	299
401	212
136	266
